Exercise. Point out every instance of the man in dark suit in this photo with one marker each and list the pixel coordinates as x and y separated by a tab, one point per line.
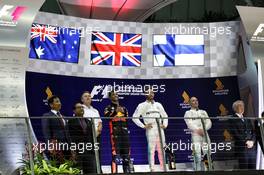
81	134
244	137
258	133
55	132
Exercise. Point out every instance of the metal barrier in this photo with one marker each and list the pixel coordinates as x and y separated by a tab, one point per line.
225	146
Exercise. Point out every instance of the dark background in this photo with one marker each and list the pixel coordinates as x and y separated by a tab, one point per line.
69	89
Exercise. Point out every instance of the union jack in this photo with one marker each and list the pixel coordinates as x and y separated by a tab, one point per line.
118	49
43	32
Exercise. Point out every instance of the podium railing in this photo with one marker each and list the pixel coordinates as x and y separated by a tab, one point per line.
225	146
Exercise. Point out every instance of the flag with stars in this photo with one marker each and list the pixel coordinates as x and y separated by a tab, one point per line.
54	43
174	50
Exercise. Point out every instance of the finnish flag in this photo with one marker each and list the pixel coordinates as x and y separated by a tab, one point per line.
172	50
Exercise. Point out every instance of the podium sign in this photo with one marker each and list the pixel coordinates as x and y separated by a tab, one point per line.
16	18
253	21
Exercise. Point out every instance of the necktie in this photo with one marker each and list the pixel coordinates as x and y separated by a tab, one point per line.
61	119
83	124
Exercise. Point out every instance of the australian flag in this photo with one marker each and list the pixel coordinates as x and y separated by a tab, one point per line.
172	50
117	49
54	43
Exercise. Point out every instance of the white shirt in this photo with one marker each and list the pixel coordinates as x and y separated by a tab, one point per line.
194	124
149	112
91	112
240	116
56	113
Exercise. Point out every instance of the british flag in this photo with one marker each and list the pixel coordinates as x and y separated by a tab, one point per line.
43	32
118	49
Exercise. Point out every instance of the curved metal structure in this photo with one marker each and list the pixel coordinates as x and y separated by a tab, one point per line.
121	10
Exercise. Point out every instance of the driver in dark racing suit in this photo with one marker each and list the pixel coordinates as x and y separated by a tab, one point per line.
119	133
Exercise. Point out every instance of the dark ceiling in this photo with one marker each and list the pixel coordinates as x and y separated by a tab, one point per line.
151	10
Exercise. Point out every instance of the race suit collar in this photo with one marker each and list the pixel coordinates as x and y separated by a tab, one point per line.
194	109
114	104
152	102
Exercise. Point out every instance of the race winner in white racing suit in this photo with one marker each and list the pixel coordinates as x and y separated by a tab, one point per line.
198	134
149	111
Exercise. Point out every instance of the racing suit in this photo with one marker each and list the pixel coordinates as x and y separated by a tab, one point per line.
199	142
149	112
119	136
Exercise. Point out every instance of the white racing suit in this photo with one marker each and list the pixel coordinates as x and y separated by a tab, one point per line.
149	112
199	142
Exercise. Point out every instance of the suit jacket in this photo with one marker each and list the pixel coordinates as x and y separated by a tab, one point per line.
53	128
258	135
241	131
78	134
